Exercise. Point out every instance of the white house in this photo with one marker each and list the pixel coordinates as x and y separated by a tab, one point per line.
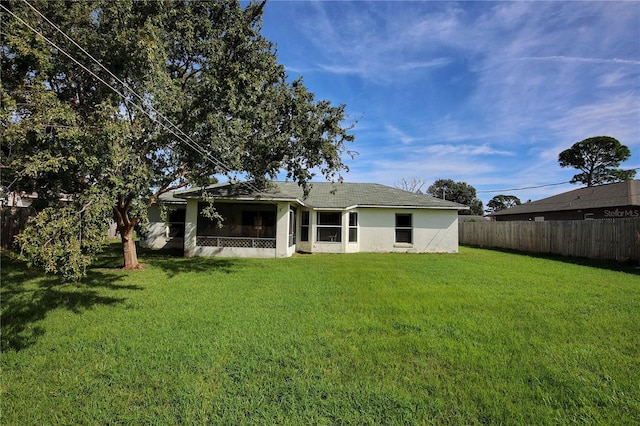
165	233
332	218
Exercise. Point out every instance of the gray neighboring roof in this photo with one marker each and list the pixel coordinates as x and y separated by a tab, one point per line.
326	195
169	198
619	194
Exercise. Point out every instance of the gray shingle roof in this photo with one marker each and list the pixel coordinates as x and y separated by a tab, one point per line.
170	198
625	193
326	195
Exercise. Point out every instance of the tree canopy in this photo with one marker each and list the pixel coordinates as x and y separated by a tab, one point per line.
115	102
501	202
459	192
598	159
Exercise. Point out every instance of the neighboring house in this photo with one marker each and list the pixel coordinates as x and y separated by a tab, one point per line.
17	199
333	218
614	200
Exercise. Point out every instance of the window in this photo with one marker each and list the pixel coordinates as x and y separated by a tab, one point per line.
176	223
329	226
353	227
304	227
404	229
292	226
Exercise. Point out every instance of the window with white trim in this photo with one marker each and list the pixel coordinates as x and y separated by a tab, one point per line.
329	225
353	227
404	228
304	226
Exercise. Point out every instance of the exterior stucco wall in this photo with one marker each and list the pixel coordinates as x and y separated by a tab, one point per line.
230	252
282	230
437	232
190	228
434	231
156	235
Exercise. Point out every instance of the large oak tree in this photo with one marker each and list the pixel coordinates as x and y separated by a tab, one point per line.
192	92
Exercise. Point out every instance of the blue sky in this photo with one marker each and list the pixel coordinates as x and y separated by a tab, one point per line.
488	93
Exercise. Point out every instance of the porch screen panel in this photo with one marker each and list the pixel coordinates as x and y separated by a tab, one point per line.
239	220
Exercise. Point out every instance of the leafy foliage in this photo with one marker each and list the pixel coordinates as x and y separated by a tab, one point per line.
67	238
597	158
459	192
194	92
501	202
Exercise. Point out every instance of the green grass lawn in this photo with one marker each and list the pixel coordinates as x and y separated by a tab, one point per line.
479	337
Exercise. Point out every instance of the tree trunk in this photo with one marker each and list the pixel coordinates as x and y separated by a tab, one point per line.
126	227
129	252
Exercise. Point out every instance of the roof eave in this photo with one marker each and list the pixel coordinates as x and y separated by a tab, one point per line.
410	206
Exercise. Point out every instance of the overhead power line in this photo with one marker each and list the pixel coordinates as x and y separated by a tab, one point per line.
488	191
522	189
188	140
183	137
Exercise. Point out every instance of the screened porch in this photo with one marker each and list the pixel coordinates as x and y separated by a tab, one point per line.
243	226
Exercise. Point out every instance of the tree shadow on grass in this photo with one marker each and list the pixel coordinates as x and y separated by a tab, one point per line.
203	265
171	261
29	295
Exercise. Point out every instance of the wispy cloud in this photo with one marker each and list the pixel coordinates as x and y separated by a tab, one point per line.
466	150
485	92
356	39
396	133
580	59
617	116
377	72
389	171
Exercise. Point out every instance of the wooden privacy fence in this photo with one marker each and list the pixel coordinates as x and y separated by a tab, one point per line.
606	239
12	221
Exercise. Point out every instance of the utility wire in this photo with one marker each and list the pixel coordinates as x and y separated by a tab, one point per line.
534	187
185	138
523	188
200	149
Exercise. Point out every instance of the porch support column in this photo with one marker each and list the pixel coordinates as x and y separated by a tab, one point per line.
282	229
190	227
